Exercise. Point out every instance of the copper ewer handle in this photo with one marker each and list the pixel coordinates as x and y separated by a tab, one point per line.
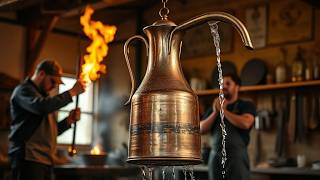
126	52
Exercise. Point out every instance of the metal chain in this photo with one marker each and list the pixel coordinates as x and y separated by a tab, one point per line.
164	2
164	11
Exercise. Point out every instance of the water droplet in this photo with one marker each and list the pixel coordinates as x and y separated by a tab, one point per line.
144	176
146	172
164	172
191	173
185	168
173	174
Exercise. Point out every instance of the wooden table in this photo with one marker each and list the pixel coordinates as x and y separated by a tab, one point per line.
83	172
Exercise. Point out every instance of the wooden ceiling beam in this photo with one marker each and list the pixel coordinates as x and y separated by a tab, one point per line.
96	6
14	5
35	44
8	2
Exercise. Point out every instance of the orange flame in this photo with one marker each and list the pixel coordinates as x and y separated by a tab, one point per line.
100	35
95	150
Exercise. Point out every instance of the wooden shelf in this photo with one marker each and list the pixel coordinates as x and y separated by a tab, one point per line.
266	87
287	171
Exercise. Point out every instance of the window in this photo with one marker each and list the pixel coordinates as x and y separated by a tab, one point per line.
86	105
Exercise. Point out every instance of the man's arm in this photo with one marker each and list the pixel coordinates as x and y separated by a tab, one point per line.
206	124
27	98
243	121
63	126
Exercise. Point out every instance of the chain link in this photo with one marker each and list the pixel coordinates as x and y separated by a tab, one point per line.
164	1
164	11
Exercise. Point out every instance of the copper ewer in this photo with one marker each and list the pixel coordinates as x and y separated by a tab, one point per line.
164	121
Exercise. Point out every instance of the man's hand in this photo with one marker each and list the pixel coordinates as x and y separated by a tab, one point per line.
74	116
214	105
217	104
78	88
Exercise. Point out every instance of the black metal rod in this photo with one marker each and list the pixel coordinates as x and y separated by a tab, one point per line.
72	148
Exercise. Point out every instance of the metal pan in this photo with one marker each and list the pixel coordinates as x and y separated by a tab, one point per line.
254	72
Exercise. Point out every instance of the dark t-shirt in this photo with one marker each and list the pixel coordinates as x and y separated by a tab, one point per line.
233	142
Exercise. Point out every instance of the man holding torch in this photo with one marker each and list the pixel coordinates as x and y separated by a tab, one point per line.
34	131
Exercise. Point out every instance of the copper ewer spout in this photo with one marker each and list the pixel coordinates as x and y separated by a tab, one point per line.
164	119
217	16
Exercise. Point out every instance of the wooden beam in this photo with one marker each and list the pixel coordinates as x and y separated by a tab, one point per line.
14	5
96	6
7	2
36	43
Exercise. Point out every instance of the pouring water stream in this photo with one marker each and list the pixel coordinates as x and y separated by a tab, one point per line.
216	39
